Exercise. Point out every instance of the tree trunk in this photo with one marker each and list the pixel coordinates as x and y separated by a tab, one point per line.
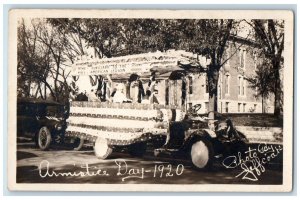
277	89
40	91
45	91
53	95
262	104
28	89
37	91
213	76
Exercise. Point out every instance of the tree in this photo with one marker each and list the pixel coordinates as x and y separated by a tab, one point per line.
117	37
262	82
44	55
57	44
210	38
101	34
270	34
33	63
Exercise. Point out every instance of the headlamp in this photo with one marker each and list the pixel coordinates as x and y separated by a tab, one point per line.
58	127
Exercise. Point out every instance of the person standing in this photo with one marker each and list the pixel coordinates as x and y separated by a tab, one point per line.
141	91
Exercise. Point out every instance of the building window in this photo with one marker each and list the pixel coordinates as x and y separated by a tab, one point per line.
220	86
255	59
241	86
242	58
244	107
227	107
239	107
190	85
244	87
254	109
227	84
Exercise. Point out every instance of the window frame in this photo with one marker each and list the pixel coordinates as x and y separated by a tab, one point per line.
227	84
241	86
242	54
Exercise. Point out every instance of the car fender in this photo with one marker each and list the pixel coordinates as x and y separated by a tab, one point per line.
193	136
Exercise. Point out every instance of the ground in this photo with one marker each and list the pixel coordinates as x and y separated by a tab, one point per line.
255	119
68	166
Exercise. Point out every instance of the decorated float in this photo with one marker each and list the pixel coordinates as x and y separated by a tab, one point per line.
154	108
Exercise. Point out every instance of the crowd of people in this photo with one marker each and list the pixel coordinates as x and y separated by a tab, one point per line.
132	91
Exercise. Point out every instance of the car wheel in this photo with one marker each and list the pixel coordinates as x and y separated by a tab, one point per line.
137	149
101	148
202	154
44	138
78	144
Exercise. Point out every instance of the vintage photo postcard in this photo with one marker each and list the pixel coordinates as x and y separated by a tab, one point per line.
150	100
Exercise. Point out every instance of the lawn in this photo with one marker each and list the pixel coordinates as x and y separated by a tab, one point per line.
260	120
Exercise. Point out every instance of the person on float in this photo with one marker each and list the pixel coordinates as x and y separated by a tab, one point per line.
141	92
93	97
147	97
136	88
119	96
109	88
153	90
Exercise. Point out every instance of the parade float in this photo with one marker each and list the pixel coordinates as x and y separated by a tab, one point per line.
168	124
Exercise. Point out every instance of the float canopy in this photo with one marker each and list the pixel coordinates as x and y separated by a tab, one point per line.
164	63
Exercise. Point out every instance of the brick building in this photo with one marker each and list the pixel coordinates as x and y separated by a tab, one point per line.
234	92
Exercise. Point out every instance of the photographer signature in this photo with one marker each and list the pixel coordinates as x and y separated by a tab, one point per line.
253	161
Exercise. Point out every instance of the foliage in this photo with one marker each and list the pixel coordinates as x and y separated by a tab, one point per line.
43	56
33	61
210	38
262	81
117	37
270	34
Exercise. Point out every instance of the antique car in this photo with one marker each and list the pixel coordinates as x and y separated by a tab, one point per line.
169	123
41	120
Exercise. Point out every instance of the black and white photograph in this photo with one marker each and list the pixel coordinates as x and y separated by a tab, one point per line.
150	100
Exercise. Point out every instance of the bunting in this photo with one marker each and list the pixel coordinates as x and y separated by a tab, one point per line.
120	124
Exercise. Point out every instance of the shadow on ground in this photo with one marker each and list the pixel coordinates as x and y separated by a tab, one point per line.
71	167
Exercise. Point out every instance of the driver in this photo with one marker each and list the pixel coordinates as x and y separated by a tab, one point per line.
194	109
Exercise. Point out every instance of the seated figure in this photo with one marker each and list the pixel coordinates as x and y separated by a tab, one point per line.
119	96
